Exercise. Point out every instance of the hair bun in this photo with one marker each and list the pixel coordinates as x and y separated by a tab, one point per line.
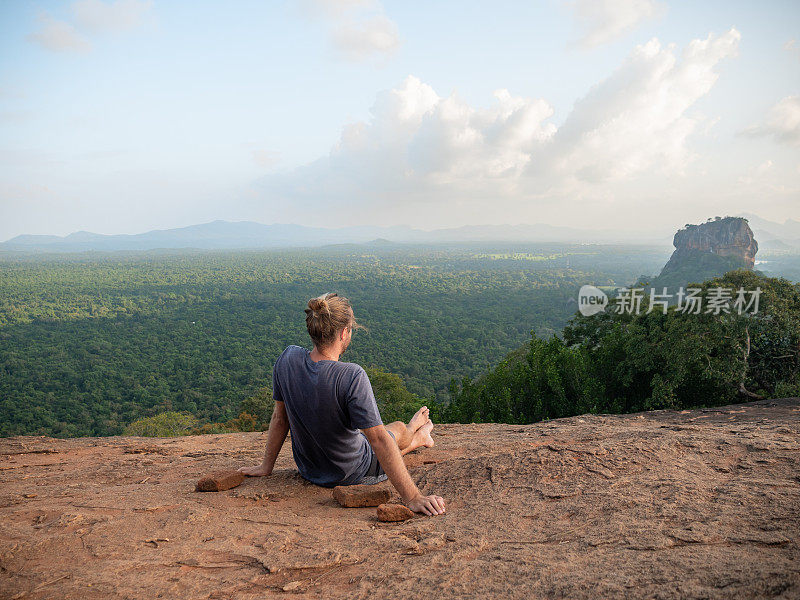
326	315
317	305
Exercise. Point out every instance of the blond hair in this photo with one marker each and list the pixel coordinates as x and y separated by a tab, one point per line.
327	315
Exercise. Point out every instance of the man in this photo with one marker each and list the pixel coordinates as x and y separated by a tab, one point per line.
325	402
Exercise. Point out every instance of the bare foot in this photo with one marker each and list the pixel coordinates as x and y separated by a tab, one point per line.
422	436
419	419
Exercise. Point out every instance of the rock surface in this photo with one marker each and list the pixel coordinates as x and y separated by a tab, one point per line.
730	236
394	512
219	481
359	496
693	504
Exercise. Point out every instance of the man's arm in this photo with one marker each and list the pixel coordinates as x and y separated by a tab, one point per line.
278	428
391	460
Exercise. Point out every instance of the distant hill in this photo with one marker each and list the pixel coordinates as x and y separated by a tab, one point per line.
775	236
215	235
248	234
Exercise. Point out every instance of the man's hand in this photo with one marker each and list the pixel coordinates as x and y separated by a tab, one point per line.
278	429
257	471
429	505
388	453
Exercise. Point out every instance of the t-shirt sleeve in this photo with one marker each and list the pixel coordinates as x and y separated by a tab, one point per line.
361	402
277	395
276	389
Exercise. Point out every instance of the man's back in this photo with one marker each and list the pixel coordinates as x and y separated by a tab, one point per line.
323	402
327	402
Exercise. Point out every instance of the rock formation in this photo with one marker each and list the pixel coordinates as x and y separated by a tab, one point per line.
730	236
704	251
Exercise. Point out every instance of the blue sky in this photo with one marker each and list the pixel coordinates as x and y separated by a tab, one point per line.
128	115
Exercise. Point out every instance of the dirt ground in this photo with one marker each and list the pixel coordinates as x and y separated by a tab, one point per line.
692	504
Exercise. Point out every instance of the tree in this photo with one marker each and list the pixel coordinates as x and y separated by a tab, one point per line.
626	362
166	424
395	402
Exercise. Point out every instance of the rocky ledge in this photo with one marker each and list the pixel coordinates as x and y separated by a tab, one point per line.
691	504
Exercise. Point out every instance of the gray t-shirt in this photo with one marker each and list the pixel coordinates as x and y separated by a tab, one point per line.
327	402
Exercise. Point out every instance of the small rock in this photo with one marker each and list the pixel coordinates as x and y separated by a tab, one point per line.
291	586
394	512
355	496
220	481
427	544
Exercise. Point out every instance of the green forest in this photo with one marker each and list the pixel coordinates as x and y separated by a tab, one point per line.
97	344
627	362
92	342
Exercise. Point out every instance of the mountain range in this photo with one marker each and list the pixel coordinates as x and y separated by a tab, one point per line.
249	234
774	236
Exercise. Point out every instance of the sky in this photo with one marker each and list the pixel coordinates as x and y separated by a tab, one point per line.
122	116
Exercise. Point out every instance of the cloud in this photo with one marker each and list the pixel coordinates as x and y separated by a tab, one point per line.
417	138
92	16
359	30
793	47
336	8
265	158
603	21
362	39
756	173
419	147
58	36
763	167
120	15
782	122
638	117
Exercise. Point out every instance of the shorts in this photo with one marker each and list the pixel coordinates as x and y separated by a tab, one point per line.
375	473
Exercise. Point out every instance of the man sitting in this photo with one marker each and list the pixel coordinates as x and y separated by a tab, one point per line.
326	402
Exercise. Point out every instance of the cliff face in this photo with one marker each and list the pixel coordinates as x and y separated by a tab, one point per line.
730	236
708	250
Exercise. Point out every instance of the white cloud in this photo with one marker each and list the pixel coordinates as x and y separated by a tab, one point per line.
420	139
364	38
605	20
763	167
782	122
119	15
91	16
638	117
336	8
358	29
58	36
419	147
756	173
793	47
265	158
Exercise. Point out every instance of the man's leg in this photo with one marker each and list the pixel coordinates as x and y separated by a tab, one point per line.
415	434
